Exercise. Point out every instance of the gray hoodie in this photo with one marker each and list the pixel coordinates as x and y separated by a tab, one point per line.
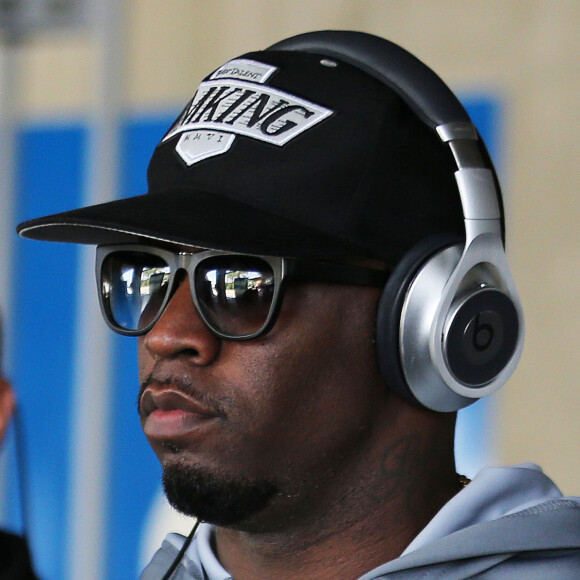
509	523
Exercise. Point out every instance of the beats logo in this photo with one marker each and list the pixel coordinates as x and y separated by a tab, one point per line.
481	337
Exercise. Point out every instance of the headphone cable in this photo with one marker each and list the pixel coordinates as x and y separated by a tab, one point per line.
181	553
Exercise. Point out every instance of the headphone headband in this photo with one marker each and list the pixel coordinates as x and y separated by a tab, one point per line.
416	83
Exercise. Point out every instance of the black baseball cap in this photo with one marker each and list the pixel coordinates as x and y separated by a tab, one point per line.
284	153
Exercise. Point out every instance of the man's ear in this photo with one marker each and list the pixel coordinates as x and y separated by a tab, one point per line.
7	402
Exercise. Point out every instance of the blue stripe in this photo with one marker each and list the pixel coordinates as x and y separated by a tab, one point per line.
50	179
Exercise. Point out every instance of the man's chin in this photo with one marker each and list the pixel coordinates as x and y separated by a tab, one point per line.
212	497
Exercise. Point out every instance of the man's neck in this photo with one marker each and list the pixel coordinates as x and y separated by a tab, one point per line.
356	523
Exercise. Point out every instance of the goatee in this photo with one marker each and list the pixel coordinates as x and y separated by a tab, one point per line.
212	498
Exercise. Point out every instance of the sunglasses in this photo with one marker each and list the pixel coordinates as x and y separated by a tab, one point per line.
237	296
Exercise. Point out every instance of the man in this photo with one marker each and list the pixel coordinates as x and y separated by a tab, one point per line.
304	225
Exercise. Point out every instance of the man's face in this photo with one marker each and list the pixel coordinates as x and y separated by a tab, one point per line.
260	426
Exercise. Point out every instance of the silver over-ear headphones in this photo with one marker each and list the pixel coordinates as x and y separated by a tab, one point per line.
450	323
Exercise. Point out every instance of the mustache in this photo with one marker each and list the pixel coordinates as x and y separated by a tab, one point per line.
217	405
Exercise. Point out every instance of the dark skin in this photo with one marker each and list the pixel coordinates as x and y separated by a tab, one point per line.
359	472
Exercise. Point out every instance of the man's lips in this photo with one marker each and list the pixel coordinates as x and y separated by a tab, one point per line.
168	413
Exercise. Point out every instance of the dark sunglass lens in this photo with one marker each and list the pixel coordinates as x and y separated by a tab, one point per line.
134	286
235	293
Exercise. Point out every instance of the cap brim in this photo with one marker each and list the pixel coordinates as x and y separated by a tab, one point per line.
192	218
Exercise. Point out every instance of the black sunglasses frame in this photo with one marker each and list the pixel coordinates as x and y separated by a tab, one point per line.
283	269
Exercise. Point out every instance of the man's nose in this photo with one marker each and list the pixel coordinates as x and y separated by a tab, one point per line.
180	332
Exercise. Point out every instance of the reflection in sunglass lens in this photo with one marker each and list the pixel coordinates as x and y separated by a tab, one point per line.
134	285
235	293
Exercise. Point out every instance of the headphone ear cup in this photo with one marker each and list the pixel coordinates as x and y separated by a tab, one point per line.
390	311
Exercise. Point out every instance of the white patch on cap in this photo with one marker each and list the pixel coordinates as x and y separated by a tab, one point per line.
193	146
244	69
228	106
